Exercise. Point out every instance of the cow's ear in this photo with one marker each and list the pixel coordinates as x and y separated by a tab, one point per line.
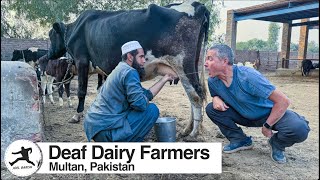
56	26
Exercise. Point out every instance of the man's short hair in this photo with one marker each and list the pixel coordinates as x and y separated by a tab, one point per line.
133	53
224	51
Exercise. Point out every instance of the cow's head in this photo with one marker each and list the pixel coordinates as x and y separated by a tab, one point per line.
16	55
57	39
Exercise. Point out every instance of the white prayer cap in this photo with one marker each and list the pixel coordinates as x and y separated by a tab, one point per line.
130	46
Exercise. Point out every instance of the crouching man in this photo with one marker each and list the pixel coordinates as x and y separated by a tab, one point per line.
241	95
121	111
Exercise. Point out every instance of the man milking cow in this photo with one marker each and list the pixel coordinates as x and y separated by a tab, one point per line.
121	111
174	39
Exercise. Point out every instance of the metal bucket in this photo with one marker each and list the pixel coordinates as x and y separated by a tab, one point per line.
165	129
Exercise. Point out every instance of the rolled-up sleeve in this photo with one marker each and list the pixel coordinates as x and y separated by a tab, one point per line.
137	96
148	93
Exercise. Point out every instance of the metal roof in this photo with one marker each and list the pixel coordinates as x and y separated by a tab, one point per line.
282	11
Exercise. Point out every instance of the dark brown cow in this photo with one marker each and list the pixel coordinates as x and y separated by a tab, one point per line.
60	70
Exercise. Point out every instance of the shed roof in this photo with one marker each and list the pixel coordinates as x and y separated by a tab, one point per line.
282	11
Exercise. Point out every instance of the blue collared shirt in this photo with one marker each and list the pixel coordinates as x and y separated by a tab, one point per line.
121	93
248	93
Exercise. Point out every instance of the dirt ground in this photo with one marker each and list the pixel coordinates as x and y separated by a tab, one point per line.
303	158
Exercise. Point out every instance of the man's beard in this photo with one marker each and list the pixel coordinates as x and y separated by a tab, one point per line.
140	70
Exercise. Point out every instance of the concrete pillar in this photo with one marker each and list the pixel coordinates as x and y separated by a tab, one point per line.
285	44
231	31
20	105
303	41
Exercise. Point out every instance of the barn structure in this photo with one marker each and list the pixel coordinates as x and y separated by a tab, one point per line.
280	11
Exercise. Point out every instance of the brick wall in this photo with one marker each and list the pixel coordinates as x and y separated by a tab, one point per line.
10	44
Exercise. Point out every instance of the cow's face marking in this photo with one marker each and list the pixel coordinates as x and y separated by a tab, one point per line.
33	49
185	7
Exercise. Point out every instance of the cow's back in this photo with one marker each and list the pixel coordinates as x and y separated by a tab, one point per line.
99	35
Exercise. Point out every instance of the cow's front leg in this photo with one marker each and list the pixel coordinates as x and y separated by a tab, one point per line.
83	69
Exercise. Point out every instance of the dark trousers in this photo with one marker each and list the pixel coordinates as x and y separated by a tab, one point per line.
141	122
291	128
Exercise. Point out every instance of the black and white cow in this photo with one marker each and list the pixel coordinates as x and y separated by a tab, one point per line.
174	39
306	66
30	56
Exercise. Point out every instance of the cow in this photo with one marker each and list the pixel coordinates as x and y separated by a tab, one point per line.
62	71
306	66
30	56
174	38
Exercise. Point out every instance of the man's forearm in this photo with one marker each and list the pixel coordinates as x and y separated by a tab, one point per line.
157	86
276	114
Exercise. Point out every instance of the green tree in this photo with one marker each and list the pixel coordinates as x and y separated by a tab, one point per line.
313	47
253	44
294	47
273	34
36	15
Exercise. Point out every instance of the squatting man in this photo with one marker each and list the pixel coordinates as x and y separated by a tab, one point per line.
241	95
121	111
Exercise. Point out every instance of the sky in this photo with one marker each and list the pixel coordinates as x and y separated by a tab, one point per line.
249	29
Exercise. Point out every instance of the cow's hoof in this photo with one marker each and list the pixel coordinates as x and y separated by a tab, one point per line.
193	139
69	102
186	131
74	121
60	102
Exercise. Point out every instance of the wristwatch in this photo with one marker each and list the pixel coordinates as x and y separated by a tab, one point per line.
266	125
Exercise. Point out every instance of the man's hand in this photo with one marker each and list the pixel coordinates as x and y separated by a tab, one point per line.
266	132
168	77
218	104
158	86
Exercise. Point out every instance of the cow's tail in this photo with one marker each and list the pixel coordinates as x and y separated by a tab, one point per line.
205	26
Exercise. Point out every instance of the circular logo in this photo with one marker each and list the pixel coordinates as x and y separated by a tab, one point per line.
23	158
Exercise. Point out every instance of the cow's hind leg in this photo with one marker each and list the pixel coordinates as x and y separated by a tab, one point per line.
192	129
67	88
43	88
49	88
100	81
83	69
60	90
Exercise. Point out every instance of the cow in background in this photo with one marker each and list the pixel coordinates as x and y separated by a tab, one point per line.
59	70
306	66
174	39
30	56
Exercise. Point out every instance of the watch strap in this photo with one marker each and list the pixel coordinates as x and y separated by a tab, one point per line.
267	125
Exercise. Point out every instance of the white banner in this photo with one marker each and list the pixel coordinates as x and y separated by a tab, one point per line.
131	158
